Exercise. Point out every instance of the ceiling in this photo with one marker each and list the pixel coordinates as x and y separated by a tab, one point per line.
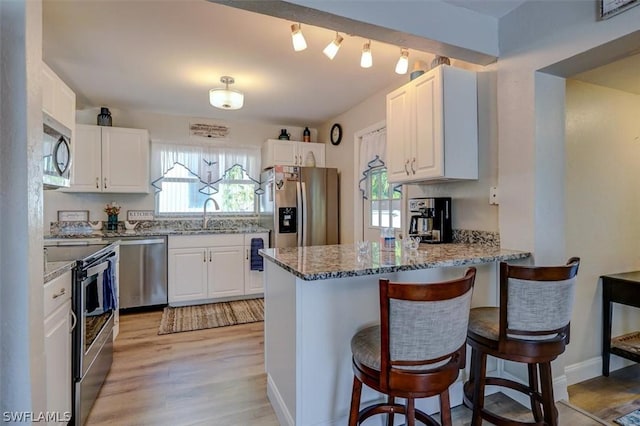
164	56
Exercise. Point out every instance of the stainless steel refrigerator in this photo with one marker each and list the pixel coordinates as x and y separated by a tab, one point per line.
300	206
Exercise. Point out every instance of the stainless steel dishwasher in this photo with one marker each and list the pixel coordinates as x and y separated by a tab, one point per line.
143	271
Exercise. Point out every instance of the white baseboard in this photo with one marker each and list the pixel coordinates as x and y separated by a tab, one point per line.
590	368
283	415
559	389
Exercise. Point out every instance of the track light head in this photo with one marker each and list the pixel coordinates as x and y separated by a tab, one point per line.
403	62
299	43
332	48
366	60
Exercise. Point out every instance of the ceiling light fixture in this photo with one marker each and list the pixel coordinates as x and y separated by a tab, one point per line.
332	48
366	60
299	43
403	62
226	98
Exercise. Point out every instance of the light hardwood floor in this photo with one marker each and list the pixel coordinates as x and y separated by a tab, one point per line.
207	377
210	377
609	397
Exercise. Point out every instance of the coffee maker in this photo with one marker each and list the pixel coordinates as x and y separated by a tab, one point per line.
430	219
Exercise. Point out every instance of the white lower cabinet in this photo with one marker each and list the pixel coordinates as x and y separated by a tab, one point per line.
202	268
57	346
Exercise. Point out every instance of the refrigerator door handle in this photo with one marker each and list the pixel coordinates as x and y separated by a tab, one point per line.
299	214
303	196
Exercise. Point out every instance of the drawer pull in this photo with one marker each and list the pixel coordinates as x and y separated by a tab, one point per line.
61	293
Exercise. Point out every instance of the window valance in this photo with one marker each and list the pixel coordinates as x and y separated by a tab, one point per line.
208	163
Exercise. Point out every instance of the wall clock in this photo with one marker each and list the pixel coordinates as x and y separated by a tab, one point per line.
336	134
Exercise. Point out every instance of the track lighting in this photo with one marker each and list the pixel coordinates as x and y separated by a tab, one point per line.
332	48
366	60
299	43
403	62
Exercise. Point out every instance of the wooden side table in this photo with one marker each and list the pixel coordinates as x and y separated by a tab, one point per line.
625	289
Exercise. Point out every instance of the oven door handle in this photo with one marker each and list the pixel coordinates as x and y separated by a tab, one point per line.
95	270
74	320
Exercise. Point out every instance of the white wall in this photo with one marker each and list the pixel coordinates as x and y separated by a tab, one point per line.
21	258
370	111
603	201
163	127
528	136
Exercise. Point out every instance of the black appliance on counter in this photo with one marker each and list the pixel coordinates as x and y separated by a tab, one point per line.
430	219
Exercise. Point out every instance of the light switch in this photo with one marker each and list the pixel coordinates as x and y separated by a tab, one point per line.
493	196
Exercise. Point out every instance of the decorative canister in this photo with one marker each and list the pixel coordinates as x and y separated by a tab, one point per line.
440	60
104	118
284	135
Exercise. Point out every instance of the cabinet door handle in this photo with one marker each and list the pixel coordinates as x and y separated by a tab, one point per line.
209	256
204	257
74	320
406	163
105	183
412	163
247	254
60	293
97	182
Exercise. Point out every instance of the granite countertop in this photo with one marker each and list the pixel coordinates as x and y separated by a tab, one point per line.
53	270
340	261
156	232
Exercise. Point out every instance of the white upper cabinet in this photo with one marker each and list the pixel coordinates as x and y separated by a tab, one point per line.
110	159
276	152
432	127
58	100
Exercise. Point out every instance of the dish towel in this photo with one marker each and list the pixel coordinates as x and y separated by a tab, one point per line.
257	263
109	296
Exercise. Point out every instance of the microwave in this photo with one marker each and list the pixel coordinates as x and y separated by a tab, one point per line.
56	153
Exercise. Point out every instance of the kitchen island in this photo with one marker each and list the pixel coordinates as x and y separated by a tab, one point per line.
317	297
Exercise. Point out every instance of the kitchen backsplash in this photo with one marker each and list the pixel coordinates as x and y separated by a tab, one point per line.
467	236
227	222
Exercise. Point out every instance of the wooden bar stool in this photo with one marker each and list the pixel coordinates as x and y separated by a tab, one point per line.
531	325
416	351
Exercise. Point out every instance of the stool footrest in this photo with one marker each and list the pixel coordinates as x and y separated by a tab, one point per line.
385	408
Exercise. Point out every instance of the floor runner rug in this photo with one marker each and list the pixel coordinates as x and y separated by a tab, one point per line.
200	317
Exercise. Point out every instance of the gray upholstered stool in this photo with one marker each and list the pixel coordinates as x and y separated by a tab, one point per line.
531	325
416	351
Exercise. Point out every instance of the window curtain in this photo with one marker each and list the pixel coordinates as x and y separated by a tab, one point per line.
373	150
208	163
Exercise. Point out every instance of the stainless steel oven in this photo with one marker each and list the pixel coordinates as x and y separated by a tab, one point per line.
94	301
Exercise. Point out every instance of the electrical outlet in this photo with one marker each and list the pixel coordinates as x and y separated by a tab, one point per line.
493	195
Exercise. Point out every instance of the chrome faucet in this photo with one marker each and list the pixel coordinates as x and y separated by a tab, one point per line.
205	219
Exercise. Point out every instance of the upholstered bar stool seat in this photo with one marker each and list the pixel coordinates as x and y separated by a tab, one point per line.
417	351
531	326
